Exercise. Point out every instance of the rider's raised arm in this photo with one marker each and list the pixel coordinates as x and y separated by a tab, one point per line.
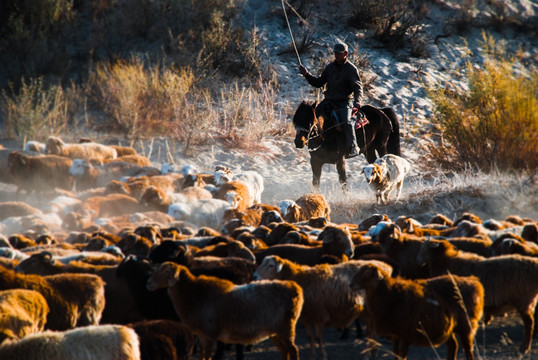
316	81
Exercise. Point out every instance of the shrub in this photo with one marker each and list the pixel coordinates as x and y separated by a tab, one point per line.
495	123
393	21
136	99
37	110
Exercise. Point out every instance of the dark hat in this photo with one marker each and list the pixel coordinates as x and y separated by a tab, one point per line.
340	48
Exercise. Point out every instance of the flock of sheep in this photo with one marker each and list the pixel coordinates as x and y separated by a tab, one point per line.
104	256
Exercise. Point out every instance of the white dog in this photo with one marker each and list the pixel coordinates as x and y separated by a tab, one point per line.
385	174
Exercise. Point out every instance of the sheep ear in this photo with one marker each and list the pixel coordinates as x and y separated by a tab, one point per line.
379	275
279	267
46	256
410	227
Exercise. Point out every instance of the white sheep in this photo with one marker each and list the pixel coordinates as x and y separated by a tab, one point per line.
204	212
35	147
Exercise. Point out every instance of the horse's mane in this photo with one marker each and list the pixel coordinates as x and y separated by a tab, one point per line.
306	112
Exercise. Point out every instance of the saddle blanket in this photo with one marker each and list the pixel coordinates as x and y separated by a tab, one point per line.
360	122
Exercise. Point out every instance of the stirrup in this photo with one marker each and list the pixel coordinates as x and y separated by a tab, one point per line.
352	153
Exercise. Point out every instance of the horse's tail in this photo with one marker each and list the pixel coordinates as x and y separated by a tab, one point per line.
393	144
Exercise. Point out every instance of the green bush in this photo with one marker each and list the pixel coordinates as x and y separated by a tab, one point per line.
495	123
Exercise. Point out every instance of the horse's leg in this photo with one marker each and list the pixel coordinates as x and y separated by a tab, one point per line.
342	176
316	166
370	155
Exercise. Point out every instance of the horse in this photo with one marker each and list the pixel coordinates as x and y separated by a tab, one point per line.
325	141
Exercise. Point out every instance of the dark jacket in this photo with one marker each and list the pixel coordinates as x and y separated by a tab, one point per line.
343	82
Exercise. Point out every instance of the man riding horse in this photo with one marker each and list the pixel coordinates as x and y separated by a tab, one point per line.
343	94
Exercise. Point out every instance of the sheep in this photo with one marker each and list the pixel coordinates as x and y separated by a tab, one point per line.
421	313
120	307
22	313
124	150
513	244
204	212
39	173
336	241
253	179
136	186
40	223
242	193
271	216
160	200
509	281
304	208
401	248
216	309
386	174
62	205
35	147
103	342
110	205
89	176
367	223
328	299
10	253
90	151
73	299
164	340
16	208
232	248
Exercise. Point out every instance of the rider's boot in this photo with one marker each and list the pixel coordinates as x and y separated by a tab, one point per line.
351	142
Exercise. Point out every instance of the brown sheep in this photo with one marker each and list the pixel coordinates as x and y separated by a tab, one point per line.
73	299
91	151
39	173
336	241
120	307
243	314
237	193
158	199
135	186
88	176
22	312
305	208
509	281
136	159
233	248
401	248
328	299
367	223
164	340
16	208
513	244
110	205
421	313
124	150
251	216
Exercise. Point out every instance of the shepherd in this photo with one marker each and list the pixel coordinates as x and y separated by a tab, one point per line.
342	96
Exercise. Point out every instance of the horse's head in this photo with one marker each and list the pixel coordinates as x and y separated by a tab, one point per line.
303	121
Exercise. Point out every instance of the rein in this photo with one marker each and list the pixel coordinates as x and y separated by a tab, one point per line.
312	133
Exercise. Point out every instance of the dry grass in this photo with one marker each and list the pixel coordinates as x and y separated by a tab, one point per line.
495	123
37	110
